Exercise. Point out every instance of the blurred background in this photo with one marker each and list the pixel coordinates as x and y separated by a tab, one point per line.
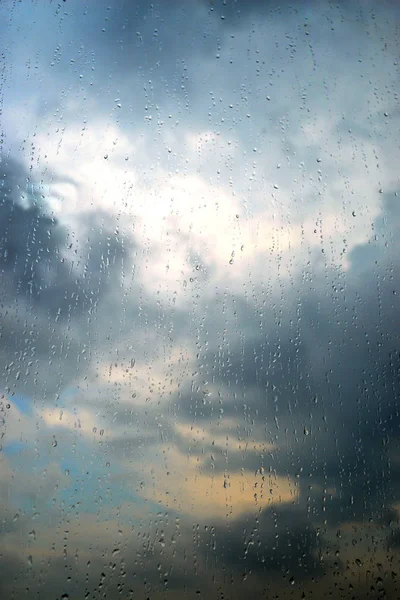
199	299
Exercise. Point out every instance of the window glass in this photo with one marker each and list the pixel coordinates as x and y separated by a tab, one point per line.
199	299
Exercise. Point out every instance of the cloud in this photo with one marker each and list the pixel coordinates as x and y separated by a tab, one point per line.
281	540
317	383
51	280
199	279
184	485
34	247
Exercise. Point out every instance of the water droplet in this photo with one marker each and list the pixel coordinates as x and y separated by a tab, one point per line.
379	583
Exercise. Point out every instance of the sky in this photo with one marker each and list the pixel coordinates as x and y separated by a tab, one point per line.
199	299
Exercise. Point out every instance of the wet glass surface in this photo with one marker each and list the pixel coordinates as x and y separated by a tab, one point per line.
199	299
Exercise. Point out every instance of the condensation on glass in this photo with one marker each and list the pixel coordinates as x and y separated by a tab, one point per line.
199	299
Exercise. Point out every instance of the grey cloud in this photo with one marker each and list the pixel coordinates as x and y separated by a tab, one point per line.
146	559
13	569
51	283
33	246
279	540
323	390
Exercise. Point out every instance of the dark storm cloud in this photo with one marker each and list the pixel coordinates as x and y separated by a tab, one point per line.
51	282
147	559
33	247
280	540
13	569
146	572
320	379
